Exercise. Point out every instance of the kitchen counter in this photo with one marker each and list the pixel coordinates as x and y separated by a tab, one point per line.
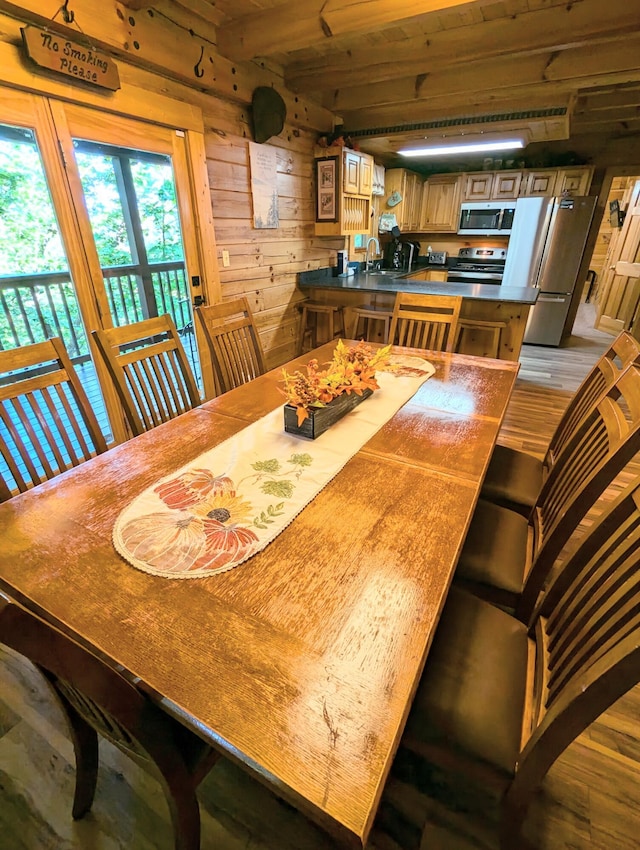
482	302
377	283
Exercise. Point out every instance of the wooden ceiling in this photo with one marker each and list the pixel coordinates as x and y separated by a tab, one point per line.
396	72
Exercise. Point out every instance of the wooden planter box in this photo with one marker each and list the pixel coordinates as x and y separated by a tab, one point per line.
322	418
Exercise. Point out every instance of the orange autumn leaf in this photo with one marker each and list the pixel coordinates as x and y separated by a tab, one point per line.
350	370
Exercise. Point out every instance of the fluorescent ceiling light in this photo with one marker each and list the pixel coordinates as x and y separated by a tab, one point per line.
446	148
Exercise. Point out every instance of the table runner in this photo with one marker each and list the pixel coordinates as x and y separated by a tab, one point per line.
230	502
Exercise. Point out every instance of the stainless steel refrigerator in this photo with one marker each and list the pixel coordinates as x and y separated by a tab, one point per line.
545	250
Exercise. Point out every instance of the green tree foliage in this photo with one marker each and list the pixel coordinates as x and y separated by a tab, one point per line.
30	241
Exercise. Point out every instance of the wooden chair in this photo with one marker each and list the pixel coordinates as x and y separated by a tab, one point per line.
514	478
368	315
97	699
320	323
48	425
491	330
498	702
234	344
425	321
506	558
150	371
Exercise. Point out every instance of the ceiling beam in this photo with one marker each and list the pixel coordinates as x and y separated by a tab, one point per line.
553	28
584	67
301	24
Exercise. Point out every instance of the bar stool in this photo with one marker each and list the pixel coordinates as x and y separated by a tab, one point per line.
312	321
492	329
369	314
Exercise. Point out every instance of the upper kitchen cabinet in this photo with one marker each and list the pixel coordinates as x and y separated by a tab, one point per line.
542	182
344	182
440	211
478	187
506	185
407	186
577	181
556	181
358	173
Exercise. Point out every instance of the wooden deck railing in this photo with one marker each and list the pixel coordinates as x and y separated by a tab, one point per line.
38	306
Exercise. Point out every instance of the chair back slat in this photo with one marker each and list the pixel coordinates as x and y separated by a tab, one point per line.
606	440
623	351
150	371
425	321
47	424
234	344
587	632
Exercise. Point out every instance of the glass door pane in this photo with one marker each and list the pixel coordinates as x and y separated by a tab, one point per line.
130	197
38	299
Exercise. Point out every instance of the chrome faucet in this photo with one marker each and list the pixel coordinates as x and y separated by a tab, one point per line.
367	262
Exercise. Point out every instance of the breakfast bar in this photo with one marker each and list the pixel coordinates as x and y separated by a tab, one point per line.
482	302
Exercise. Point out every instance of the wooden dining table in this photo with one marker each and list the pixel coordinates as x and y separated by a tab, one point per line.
301	663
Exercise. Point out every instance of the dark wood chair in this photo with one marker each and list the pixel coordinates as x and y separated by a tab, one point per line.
150	371
48	425
498	702
234	344
425	321
97	699
514	477
507	558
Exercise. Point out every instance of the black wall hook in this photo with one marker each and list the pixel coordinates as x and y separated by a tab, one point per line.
68	15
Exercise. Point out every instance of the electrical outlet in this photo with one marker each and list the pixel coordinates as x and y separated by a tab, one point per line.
225	259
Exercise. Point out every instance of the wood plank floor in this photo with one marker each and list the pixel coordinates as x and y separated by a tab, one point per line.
590	799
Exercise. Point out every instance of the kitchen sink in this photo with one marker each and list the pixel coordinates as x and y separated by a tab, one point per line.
384	272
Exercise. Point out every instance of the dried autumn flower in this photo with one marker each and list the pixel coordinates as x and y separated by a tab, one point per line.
351	369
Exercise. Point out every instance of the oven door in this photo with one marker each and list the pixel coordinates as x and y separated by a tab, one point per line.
471	276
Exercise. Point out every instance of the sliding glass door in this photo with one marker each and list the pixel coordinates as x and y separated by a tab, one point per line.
96	229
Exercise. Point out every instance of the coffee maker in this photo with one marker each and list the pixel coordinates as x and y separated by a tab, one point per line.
394	252
399	255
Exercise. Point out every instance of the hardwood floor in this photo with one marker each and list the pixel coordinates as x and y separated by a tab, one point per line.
589	801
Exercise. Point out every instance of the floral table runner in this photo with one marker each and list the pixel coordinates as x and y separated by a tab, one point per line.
231	501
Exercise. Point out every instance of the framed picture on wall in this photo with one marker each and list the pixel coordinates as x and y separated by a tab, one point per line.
327	189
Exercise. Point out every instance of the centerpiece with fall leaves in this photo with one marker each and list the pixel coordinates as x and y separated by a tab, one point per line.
320	398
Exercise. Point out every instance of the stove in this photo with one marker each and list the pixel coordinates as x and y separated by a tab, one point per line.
478	265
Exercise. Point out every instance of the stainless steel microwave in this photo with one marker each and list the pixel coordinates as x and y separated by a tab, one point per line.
486	218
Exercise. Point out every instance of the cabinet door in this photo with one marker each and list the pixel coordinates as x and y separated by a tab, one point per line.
574	180
414	187
440	211
541	183
366	174
506	184
351	173
478	187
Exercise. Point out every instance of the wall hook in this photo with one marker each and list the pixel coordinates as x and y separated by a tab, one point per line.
69	16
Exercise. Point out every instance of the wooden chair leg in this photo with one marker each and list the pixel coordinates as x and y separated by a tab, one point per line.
179	790
85	747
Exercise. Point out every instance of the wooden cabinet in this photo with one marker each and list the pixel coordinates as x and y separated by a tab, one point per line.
542	182
506	185
440	211
357	173
555	181
577	181
344	180
478	187
408	184
433	206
